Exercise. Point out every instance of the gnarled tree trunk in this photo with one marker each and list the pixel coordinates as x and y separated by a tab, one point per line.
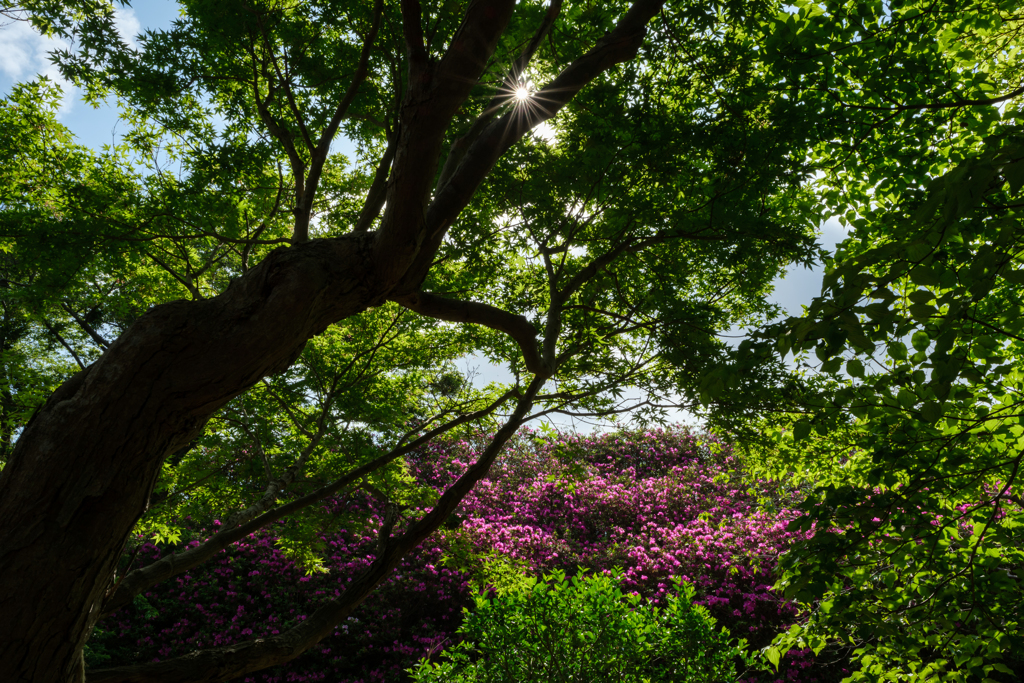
82	471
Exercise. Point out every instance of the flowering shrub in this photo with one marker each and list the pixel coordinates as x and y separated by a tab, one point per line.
657	505
253	590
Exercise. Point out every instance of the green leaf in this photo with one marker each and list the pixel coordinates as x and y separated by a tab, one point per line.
832	365
897	350
924	276
1014	174
1015	277
906	398
931	411
922	312
918	250
772	655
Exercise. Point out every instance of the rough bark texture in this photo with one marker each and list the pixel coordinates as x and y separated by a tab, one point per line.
82	471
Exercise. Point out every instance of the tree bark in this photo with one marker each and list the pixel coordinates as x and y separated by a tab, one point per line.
81	474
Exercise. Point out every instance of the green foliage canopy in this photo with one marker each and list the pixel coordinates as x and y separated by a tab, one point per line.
905	421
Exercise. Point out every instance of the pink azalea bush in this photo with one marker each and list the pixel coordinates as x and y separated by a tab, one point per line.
655	505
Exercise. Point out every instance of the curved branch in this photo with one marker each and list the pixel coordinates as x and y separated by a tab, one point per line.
163	569
457	311
224	663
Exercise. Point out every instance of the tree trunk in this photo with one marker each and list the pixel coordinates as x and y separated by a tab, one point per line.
81	474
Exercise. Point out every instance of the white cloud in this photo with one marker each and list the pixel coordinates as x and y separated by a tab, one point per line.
127	25
25	54
16	52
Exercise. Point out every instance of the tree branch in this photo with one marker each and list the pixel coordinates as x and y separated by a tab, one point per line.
941	105
435	93
323	147
100	341
620	45
289	96
286	408
163	569
412	30
185	282
378	190
275	486
460	146
224	663
53	331
456	311
282	135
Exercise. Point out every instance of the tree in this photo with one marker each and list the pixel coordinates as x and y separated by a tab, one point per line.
259	323
186	293
927	494
912	453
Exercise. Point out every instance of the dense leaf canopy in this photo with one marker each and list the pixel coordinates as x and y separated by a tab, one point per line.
907	420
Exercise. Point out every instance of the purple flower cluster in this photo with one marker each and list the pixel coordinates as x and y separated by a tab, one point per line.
656	504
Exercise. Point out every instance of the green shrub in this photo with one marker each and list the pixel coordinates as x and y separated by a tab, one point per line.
585	630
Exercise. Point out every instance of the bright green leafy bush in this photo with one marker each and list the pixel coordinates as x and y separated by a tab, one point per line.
585	629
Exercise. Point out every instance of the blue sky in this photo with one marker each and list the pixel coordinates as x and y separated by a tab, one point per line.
24	54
